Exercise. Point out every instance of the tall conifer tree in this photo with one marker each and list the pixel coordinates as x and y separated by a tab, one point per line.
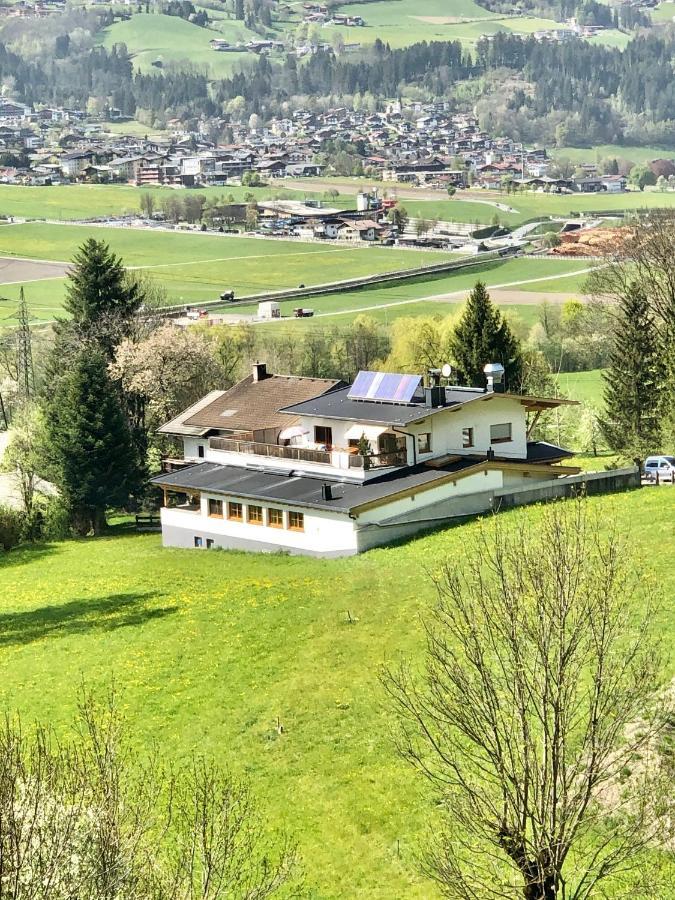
88	444
483	336
100	298
634	379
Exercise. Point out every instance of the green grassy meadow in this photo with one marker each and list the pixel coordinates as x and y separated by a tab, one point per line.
403	22
196	267
86	201
664	12
611	151
209	649
150	36
480	206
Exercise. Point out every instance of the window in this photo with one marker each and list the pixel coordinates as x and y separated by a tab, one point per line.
209	543
424	443
199	542
215	508
235	512
275	518
323	435
296	521
200	451
255	515
467	438
500	434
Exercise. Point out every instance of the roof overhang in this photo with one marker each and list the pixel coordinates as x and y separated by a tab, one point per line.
177	425
372	432
482	466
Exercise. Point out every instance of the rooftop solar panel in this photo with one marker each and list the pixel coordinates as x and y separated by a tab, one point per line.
390	387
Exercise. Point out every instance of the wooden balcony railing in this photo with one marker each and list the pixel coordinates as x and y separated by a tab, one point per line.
378	460
305	454
301	454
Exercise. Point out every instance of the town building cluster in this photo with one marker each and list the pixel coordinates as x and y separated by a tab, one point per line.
420	143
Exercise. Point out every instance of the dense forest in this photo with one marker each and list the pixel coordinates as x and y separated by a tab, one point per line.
566	93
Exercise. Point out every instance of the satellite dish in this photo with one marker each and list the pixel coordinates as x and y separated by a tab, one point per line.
446	371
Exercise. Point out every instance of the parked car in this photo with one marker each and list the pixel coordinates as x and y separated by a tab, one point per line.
662	467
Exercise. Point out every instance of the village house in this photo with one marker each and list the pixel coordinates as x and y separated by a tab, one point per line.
315	466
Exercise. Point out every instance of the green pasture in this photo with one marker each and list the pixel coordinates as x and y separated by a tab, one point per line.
527	205
480	206
414	298
613	151
151	36
209	650
195	267
664	12
403	22
587	387
83	201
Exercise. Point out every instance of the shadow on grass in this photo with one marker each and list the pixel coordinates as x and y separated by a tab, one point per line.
24	554
81	616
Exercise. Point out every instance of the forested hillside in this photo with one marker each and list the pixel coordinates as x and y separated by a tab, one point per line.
568	93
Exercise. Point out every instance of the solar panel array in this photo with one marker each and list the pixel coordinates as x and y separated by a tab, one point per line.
390	387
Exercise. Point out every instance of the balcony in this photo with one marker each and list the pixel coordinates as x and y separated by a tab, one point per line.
340	459
302	454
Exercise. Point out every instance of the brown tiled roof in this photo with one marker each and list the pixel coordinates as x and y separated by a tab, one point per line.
251	405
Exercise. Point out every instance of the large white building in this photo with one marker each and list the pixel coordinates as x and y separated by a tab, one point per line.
319	467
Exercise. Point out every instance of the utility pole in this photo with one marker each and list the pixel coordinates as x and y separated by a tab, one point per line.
24	355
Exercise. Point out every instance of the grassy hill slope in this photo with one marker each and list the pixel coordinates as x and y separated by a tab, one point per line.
208	649
172	39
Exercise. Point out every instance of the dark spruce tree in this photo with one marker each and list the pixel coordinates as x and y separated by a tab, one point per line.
100	298
483	336
634	379
88	446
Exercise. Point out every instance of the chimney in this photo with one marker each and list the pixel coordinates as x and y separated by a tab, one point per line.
494	372
259	372
434	396
326	492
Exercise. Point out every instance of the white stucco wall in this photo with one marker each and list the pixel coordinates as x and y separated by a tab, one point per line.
415	505
324	533
446	428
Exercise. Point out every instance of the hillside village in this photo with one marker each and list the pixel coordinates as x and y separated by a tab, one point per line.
420	144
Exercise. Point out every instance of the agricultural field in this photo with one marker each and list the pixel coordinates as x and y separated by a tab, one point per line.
210	650
196	267
664	12
483	207
403	22
613	151
150	37
87	201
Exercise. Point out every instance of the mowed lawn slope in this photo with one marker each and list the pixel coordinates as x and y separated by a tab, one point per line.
209	650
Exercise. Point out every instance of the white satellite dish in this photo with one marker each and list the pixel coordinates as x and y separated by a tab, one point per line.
446	371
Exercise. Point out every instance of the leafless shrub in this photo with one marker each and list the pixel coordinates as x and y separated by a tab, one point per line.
539	662
86	819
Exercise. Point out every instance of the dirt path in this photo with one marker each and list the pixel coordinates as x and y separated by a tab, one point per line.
527	298
14	270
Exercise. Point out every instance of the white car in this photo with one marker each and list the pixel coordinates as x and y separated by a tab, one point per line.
661	466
